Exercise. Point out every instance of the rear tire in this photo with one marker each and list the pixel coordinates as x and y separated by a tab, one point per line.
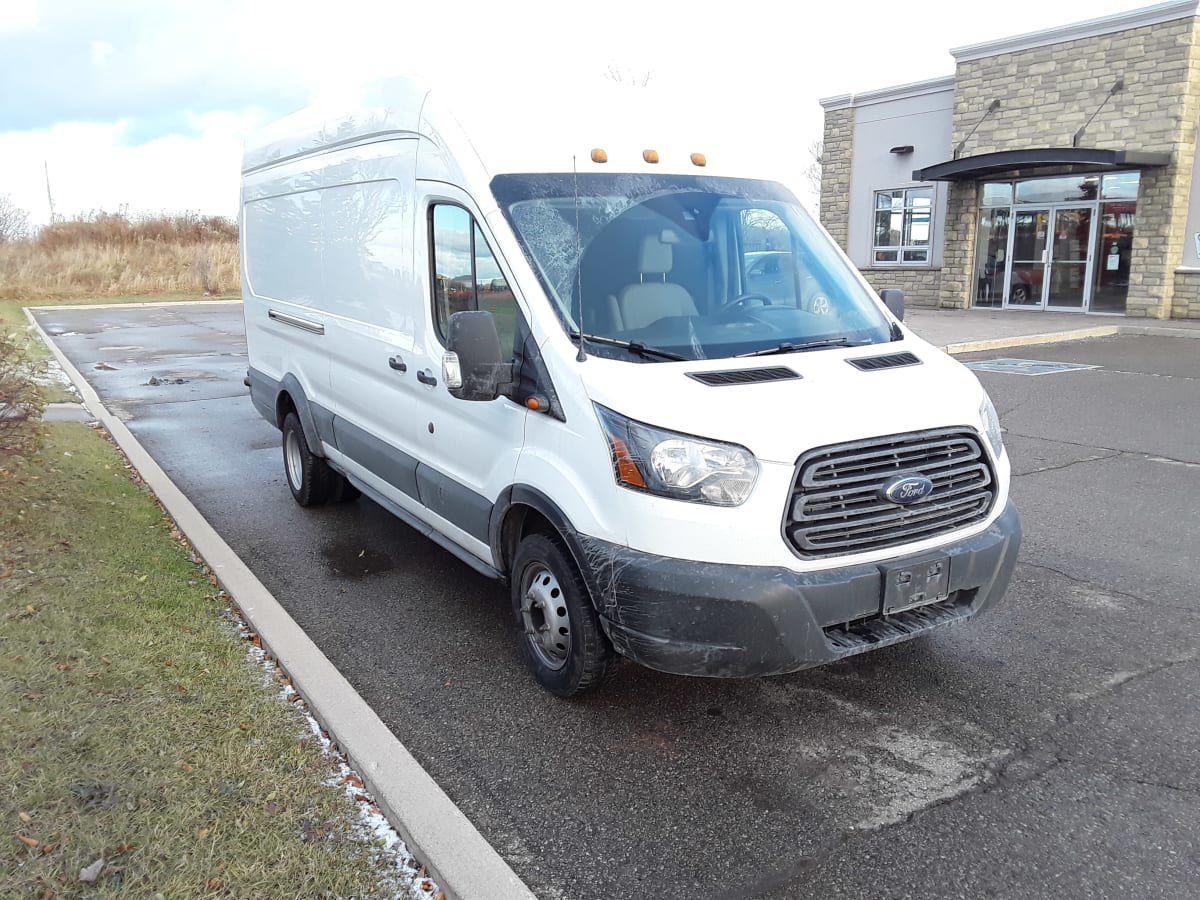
308	476
564	646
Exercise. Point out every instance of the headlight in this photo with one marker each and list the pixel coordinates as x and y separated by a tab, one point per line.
991	425
676	465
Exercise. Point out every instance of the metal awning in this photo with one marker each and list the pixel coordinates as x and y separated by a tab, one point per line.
1079	159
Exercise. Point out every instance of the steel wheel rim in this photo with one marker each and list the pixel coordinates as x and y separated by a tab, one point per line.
293	461
545	617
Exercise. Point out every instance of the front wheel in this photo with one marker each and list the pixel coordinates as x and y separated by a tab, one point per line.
563	644
308	476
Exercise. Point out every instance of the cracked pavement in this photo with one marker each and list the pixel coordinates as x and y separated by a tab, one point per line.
1049	749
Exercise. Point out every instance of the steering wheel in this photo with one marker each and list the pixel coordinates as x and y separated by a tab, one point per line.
742	302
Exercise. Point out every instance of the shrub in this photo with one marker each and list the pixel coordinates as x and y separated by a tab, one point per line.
20	400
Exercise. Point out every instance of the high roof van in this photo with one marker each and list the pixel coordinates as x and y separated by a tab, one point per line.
625	374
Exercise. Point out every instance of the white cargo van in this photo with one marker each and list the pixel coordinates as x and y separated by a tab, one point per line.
630	378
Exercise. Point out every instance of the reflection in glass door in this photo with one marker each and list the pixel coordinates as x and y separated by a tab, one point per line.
1027	269
1068	282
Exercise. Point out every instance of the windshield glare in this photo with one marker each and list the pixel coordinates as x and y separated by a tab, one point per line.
700	267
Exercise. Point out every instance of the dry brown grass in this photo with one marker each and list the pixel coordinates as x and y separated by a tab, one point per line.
109	254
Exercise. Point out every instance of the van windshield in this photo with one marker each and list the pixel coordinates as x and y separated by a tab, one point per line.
693	267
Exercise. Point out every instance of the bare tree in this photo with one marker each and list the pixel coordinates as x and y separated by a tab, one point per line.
628	76
812	174
14	221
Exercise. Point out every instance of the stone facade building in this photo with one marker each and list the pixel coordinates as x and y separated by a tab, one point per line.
1054	170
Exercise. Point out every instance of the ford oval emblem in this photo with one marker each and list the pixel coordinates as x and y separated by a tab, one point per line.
905	489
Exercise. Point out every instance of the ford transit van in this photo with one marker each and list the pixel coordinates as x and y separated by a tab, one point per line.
627	375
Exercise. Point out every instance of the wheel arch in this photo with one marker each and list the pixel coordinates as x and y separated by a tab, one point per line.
523	510
291	398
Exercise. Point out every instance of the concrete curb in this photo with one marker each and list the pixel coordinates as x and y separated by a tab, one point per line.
1161	331
1027	340
437	833
1077	334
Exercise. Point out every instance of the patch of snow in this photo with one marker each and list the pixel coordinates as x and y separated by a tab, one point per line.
386	843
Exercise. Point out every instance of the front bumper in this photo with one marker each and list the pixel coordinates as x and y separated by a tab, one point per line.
695	618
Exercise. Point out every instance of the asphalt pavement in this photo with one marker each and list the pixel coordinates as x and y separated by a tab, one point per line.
1049	749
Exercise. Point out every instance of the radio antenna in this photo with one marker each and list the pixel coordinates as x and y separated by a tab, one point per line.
581	356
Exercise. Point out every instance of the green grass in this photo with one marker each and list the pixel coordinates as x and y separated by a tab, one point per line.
132	727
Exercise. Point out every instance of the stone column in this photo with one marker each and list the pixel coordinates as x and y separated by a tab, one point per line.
835	174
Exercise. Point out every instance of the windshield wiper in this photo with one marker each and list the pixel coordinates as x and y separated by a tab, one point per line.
795	348
632	346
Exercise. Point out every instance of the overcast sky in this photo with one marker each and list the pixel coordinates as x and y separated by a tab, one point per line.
143	104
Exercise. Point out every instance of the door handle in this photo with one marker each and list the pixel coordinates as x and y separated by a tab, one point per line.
426	378
398	364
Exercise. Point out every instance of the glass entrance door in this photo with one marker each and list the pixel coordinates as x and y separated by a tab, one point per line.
1067	282
1051	257
1030	235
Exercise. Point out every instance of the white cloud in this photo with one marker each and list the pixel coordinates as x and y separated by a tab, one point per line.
18	15
101	51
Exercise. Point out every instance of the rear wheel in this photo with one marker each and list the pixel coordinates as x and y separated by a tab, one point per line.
564	646
308	476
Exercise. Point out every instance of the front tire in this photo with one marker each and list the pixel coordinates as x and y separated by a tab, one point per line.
308	476
564	646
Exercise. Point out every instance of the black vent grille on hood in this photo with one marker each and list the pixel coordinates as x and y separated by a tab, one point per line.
743	376
891	361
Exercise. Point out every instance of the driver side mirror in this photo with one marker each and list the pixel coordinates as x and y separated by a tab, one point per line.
893	299
473	366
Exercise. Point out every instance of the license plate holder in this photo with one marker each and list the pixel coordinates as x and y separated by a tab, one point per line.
913	584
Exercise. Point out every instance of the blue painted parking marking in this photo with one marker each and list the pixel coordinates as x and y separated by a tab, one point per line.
1026	366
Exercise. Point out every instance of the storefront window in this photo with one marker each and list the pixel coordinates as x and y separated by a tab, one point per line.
1111	284
990	255
997	194
1121	186
902	226
1068	189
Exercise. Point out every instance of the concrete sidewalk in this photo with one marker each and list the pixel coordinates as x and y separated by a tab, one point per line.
968	330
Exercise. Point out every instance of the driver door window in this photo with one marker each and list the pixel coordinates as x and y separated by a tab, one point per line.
466	275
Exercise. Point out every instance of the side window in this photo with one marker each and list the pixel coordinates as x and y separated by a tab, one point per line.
466	275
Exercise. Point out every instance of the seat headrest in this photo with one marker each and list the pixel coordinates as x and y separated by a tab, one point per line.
655	256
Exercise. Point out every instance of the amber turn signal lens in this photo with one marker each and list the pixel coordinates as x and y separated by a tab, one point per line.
627	469
533	403
698	159
650	156
599	156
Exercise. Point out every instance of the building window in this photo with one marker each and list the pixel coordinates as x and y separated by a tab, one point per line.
903	224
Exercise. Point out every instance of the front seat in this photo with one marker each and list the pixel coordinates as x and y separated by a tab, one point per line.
653	297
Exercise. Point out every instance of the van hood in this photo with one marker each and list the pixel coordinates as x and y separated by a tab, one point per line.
831	401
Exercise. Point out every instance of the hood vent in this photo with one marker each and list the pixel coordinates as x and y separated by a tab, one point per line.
743	376
891	361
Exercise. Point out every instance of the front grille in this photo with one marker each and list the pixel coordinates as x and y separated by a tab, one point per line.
743	376
837	504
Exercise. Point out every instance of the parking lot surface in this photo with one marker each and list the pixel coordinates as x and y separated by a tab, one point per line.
1049	749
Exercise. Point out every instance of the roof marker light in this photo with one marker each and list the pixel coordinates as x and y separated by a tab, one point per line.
650	156
599	156
699	159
